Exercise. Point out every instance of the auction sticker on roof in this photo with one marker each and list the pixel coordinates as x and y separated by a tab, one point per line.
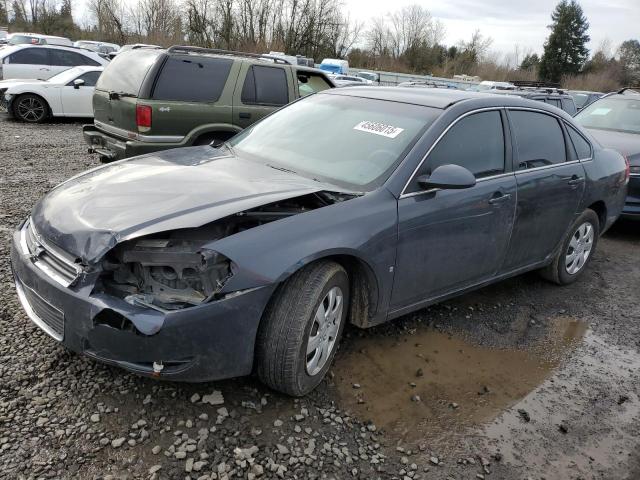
378	128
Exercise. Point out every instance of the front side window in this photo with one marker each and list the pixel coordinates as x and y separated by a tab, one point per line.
30	56
539	139
347	141
265	86
617	113
475	142
192	79
90	79
309	83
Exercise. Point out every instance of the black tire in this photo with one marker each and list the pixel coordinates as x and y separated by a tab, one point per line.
557	271
30	108
281	346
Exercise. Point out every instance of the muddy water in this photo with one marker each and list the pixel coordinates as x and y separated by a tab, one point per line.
430	386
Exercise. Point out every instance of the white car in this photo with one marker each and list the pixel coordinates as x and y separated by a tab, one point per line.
38	39
44	61
103	48
68	94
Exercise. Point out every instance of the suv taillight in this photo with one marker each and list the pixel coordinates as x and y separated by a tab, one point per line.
143	118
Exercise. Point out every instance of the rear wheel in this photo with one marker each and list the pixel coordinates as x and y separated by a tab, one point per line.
577	250
31	108
301	329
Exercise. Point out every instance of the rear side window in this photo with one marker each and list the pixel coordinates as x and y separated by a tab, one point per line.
127	71
265	86
476	142
539	139
192	79
64	58
30	56
581	146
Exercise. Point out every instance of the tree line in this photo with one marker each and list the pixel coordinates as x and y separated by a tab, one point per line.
408	40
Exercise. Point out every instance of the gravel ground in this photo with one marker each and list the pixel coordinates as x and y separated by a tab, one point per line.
518	380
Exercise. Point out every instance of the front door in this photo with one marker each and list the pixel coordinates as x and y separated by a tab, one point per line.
76	101
550	188
451	239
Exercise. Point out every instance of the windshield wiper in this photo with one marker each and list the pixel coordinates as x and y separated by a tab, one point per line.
117	95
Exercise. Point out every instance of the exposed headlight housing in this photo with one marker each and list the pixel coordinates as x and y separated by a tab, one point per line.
166	272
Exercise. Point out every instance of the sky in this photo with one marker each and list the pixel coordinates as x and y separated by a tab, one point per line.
514	22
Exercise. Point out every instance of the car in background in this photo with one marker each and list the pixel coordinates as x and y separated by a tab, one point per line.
40	62
37	39
489	85
371	76
614	120
556	97
151	99
102	48
352	205
68	94
349	80
582	98
335	66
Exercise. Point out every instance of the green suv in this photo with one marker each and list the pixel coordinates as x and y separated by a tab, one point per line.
154	99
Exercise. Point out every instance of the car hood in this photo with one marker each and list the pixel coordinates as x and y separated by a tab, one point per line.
626	143
14	82
89	214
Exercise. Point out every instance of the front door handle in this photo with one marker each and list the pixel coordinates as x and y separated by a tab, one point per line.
499	198
575	180
244	115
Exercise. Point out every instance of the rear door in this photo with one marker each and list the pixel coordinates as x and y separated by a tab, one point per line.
550	187
62	60
452	239
28	63
261	90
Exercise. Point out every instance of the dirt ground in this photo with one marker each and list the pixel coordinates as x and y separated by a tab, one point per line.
519	380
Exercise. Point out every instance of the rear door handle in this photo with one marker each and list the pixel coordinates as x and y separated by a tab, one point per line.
244	115
499	198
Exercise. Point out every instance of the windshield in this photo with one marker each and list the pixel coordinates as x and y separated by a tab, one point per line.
620	114
66	76
348	141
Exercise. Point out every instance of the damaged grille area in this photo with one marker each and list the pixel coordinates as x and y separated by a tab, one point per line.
173	270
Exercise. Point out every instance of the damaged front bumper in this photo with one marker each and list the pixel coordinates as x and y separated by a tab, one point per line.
206	342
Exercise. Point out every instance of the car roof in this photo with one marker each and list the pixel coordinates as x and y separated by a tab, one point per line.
441	98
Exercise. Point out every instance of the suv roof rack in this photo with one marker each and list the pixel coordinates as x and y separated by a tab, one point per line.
536	84
629	89
218	51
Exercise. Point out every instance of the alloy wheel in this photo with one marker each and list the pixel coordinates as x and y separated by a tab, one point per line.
31	109
324	331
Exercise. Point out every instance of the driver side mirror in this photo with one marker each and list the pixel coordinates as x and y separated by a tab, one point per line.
77	83
447	177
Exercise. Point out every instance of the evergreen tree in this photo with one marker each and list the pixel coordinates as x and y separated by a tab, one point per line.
530	62
565	50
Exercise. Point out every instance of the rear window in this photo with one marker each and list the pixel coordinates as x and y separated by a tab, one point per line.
127	71
192	79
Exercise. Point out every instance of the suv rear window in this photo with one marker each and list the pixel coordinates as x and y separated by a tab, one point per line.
126	72
265	86
192	79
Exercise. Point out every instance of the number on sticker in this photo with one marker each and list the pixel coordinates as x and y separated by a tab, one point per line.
378	128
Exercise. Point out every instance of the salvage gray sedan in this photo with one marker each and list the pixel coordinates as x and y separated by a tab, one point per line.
354	205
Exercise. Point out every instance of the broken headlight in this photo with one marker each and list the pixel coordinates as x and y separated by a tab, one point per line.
168	273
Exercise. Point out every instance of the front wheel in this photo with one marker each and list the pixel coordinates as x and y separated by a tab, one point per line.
301	328
577	250
30	108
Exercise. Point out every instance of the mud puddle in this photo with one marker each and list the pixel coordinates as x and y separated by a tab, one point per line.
430	386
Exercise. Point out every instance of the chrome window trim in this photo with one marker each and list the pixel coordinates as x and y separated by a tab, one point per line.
634	174
126	134
446	130
32	314
514	172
